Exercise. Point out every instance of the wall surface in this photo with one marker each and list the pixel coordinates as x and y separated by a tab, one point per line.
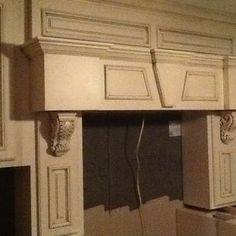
110	170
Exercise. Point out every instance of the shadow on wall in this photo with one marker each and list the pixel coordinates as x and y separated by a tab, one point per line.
18	83
109	143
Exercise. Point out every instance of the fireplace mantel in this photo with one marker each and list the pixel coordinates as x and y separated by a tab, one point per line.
83	76
112	55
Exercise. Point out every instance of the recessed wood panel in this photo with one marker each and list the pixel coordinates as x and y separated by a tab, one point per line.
72	26
224	178
194	41
59	197
200	86
226	181
127	83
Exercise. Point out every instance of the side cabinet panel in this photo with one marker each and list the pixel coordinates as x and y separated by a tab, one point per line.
224	160
209	160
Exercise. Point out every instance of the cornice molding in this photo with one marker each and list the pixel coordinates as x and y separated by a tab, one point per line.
230	62
40	46
186	58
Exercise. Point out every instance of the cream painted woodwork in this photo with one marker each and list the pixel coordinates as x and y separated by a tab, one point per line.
230	82
60	180
67	77
128	86
70	87
96	55
132	24
189	80
209	159
193	41
85	76
87	33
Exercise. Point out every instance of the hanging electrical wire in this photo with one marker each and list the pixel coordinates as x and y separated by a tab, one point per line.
140	201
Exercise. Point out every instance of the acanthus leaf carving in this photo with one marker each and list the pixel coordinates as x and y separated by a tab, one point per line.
62	128
227	126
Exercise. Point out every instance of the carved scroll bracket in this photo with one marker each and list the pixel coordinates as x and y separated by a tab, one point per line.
62	128
227	126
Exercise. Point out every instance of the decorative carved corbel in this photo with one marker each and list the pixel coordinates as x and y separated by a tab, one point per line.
62	128
227	126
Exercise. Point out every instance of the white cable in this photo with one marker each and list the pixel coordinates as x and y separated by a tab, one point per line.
138	177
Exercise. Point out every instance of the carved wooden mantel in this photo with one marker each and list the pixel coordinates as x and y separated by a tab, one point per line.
83	76
112	55
121	55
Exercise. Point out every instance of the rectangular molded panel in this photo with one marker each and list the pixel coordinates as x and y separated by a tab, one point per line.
226	188
200	86
126	82
73	26
59	197
224	178
194	41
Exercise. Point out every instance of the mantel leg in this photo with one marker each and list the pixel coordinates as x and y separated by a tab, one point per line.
59	176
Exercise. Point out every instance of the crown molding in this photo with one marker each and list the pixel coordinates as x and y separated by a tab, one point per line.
186	58
230	62
40	46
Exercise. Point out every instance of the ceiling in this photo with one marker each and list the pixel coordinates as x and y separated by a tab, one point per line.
219	5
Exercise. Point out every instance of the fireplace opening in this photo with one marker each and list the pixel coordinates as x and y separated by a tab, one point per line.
15	216
110	165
